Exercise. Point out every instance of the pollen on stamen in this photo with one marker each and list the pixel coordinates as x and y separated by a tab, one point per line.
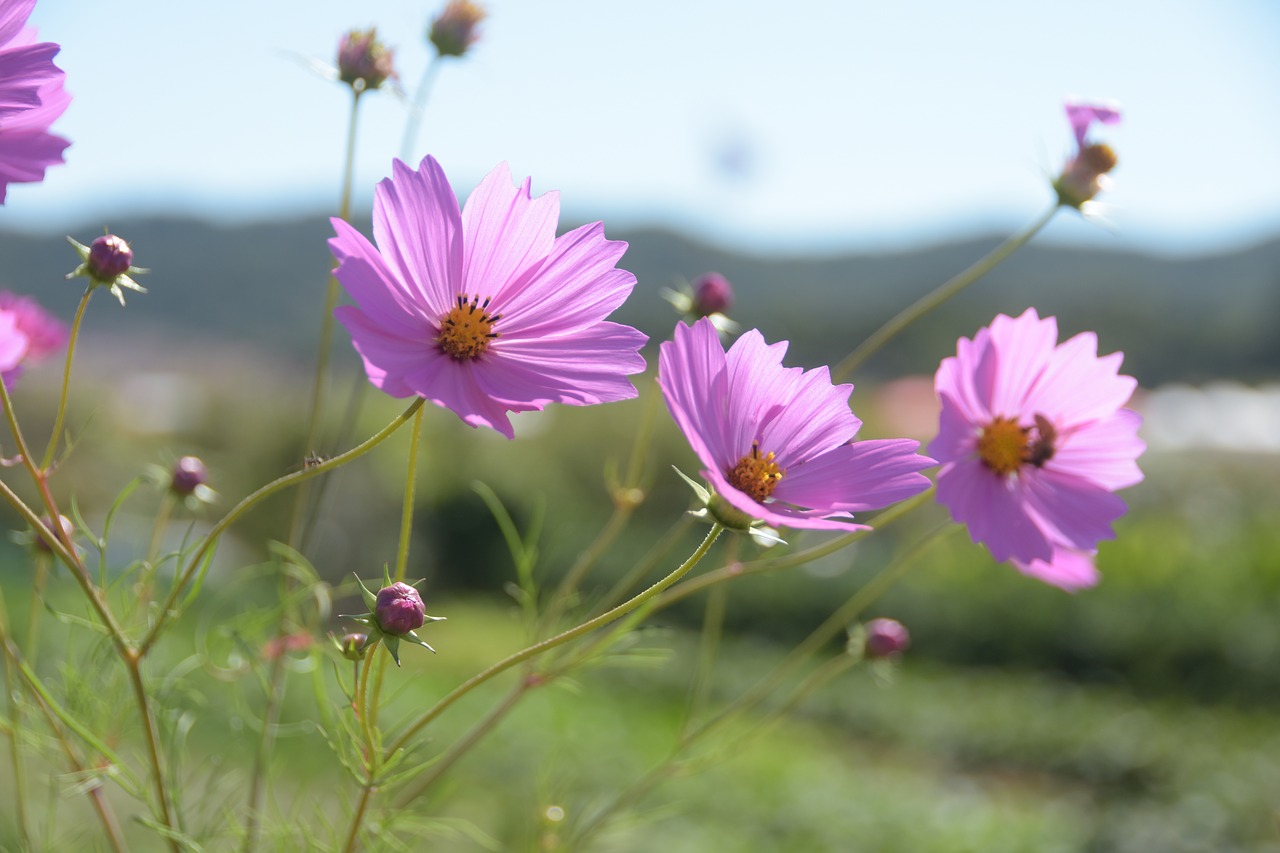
1002	446
466	331
756	475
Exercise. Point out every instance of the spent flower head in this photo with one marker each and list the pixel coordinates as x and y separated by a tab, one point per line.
28	334
484	310
107	262
778	443
395	613
31	99
364	62
1033	441
1087	171
455	29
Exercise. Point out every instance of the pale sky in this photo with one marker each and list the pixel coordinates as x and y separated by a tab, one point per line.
852	124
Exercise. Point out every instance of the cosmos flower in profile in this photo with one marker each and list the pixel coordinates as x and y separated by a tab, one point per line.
28	333
777	443
1033	441
31	99
484	310
1087	172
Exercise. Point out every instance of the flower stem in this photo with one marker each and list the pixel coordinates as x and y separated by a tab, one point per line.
326	325
252	500
410	486
933	299
133	664
558	640
418	107
66	380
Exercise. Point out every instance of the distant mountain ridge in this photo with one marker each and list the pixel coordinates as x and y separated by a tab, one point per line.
1176	319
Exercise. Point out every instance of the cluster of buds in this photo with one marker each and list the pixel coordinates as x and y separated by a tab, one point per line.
107	262
1087	172
364	62
455	29
395	613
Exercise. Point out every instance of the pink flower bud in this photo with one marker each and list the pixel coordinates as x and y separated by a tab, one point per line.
353	645
712	294
189	472
886	638
68	530
364	62
399	609
109	257
455	29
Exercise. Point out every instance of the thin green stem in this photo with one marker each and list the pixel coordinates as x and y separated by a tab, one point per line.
733	571
932	300
332	292
66	380
410	487
15	739
366	794
418	107
253	500
152	742
463	745
558	640
831	627
270	716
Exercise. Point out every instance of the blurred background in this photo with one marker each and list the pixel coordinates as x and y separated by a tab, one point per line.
834	163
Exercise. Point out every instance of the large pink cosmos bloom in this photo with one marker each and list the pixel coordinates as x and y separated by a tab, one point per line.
28	333
1033	440
31	98
777	442
484	311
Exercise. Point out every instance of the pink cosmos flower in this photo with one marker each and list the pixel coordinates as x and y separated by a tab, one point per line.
28	333
1086	173
1033	440
484	311
777	442
31	98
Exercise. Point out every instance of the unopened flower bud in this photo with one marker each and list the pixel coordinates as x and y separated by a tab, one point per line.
455	29
712	294
886	638
399	609
68	530
364	62
189	473
109	256
353	645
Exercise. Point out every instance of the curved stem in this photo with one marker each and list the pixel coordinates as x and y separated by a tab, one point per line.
932	300
66	379
558	640
410	487
417	108
151	737
252	500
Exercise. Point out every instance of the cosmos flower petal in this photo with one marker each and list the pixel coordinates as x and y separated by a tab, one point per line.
990	507
424	326
23	71
879	472
584	369
31	98
736	409
1070	509
1021	349
387	358
579	272
694	380
13	18
1077	387
418	229
508	235
373	285
1104	451
1082	115
1068	569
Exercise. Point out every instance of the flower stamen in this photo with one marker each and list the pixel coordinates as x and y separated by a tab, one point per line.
1004	446
465	332
756	475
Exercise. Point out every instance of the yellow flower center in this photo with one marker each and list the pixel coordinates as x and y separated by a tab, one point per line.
465	332
756	475
1004	446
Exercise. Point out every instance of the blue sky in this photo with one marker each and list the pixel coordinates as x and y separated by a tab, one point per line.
850	124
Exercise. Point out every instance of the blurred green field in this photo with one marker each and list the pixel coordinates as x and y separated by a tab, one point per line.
1137	716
